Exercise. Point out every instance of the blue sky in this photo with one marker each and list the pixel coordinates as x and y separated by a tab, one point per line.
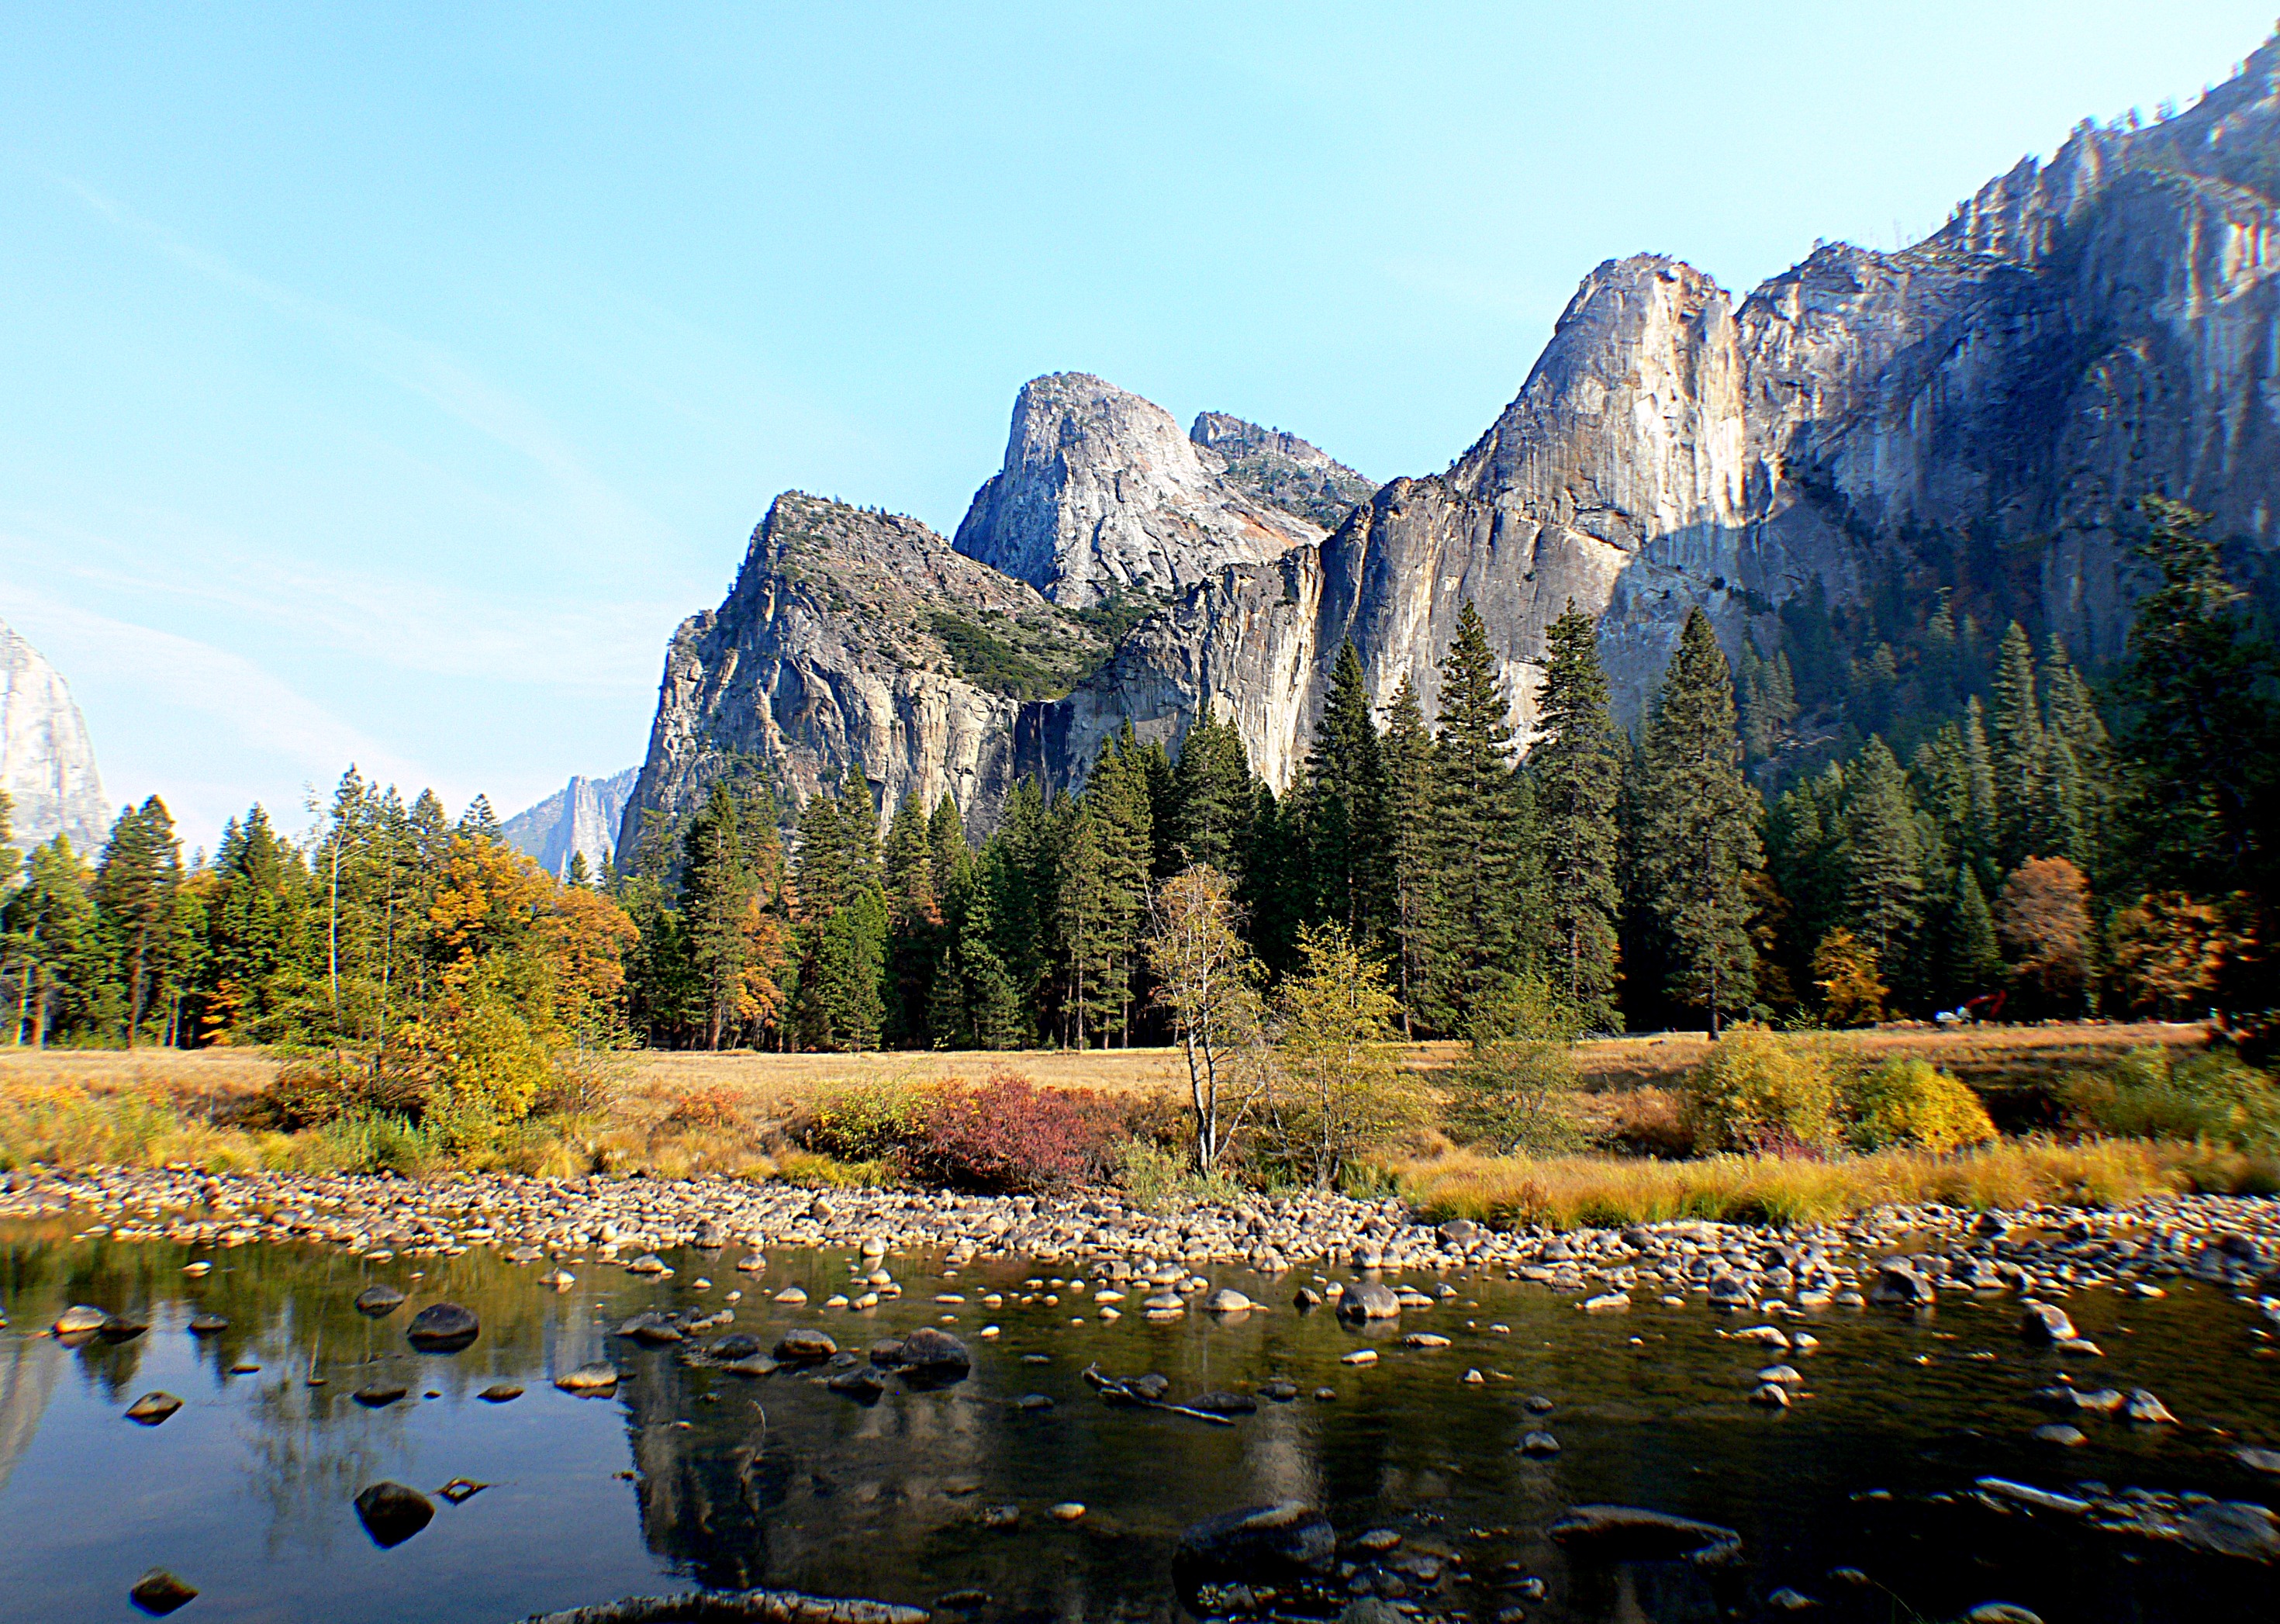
383	383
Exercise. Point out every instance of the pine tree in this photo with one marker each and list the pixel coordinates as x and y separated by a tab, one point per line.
914	925
1117	796
10	859
1883	863
1478	817
1577	766
1975	963
1698	835
2075	791
1344	812
134	887
716	889
56	945
1212	797
2019	752
1408	755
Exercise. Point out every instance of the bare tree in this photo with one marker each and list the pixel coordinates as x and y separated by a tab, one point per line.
1209	985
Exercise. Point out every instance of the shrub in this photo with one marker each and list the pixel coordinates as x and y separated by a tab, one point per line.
869	1122
1756	1093
370	1141
1161	1180
1909	1102
315	1088
2148	1094
1651	1121
1007	1135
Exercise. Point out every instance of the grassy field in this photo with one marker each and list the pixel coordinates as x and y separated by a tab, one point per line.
1991	1059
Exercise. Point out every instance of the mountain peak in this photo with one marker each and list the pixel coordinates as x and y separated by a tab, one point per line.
47	766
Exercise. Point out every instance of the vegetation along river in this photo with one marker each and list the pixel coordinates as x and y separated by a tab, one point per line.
959	1496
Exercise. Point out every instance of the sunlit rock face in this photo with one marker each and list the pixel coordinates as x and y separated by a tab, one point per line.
47	766
1102	495
579	820
2082	333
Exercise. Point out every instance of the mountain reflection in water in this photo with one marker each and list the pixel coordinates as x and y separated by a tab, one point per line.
692	1475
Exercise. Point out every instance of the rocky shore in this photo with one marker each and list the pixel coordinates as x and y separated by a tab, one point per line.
1898	1255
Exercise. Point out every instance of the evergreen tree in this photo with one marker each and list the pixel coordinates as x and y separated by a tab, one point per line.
914	925
1117	797
1212	797
716	888
2075	773
134	887
1883	863
1344	807
10	859
1577	766
1408	755
1480	834
1975	962
55	943
2019	750
1699	828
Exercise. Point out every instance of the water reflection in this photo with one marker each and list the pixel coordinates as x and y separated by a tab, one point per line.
691	1473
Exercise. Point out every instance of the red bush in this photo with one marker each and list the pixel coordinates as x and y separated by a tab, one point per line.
1009	1135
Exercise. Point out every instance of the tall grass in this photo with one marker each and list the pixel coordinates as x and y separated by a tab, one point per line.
1574	1192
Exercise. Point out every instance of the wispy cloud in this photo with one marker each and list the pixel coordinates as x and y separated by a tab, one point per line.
419	365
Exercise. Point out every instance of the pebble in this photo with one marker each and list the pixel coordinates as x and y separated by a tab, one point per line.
153	1408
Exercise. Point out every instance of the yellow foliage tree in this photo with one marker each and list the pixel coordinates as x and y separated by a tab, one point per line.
1845	969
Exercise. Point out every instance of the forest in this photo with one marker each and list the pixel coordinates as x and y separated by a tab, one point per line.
1835	830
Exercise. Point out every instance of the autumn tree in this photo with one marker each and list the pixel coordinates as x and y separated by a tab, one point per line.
1340	1087
1207	983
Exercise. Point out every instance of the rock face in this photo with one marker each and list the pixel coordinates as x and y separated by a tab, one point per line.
859	639
1281	470
47	767
581	818
1995	398
1102	496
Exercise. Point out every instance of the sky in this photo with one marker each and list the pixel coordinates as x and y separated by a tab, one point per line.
382	384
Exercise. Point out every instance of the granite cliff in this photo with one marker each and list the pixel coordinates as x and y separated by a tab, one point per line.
47	766
581	818
1993	398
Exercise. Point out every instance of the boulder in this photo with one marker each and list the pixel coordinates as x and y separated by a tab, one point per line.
1610	1534
392	1514
153	1408
1227	1300
934	1358
1900	1284
79	1319
2045	1323
1369	1300
601	1377
159	1593
1271	1547
805	1346
443	1328
735	1345
379	1301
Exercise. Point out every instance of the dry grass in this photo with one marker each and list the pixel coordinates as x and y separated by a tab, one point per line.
1570	1191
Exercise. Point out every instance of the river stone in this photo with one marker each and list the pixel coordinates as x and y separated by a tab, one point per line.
153	1408
1424	1339
1539	1445
2060	1433
647	1263
653	1329
601	1377
78	1320
159	1593
392	1514
1306	1298
805	1346
443	1328
121	1327
861	1384
1224	1404
2001	1613
1269	1546
753	1263
1634	1533
499	1393
735	1345
2236	1529
208	1325
377	1395
2148	1410
1369	1300
1786	1600
935	1358
2265	1460
2045	1323
379	1301
1280	1391
1227	1300
1772	1394
1900	1284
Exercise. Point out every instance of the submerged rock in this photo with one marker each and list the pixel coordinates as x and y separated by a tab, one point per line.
153	1408
600	1376
1269	1546
392	1514
159	1593
443	1328
207	1325
1634	1533
933	1358
805	1346
1369	1300
379	1301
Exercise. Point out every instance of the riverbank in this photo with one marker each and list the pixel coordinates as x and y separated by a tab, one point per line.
2037	1249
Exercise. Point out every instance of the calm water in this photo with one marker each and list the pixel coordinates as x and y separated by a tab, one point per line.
694	1476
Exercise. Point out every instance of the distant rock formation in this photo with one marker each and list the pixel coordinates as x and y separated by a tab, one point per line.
1281	470
47	766
1991	402
580	818
1102	495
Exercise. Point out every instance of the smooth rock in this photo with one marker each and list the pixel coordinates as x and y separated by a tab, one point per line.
207	1325
499	1393
1539	1445
159	1593
379	1301
79	1319
2045	1323
153	1407
392	1514
378	1394
1632	1534
443	1328
601	1377
1369	1300
935	1358
1272	1546
805	1346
